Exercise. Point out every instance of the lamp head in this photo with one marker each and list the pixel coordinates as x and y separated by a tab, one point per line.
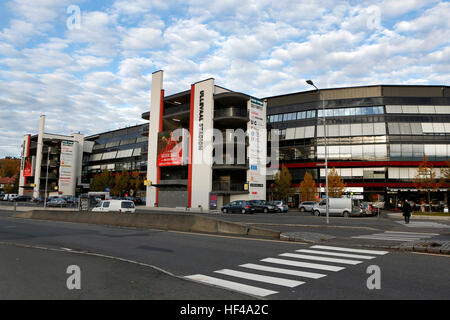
309	82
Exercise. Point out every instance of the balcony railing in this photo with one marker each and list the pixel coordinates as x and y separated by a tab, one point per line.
227	186
231	112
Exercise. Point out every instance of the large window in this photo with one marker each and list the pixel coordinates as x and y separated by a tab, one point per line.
358	111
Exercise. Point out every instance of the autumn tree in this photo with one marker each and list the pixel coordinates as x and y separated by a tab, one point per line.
9	167
336	185
308	188
282	183
425	178
121	183
101	181
136	181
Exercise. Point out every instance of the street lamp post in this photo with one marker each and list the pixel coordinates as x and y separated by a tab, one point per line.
326	151
46	177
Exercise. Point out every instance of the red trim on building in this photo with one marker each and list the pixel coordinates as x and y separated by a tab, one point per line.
27	155
374	184
363	164
161	112
191	144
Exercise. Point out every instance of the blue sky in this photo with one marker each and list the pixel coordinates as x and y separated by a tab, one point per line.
97	76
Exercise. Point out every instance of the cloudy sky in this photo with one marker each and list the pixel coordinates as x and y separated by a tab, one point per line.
87	65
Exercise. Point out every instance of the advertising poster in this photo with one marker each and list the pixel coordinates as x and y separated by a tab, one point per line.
65	170
173	148
257	146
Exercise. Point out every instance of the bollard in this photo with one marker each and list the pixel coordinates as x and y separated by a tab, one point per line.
15	206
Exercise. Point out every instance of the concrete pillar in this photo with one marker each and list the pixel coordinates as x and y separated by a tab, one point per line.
40	143
155	107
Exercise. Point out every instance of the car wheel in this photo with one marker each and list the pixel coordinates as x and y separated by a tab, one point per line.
317	213
302	209
266	210
243	211
279	210
346	214
224	210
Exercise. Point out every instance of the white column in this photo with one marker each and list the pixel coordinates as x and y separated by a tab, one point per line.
155	107
40	143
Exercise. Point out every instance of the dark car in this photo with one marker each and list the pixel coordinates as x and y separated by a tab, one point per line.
22	199
307	206
263	206
239	206
57	202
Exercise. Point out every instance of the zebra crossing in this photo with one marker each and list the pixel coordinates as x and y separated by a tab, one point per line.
397	236
289	269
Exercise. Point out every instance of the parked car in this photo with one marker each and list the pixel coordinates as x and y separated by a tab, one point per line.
241	206
11	196
281	206
57	202
344	207
38	200
263	206
306	206
21	199
125	206
367	209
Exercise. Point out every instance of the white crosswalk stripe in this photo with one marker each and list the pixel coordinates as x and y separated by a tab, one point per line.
397	236
309	257
304	274
303	264
232	285
377	252
260	278
336	255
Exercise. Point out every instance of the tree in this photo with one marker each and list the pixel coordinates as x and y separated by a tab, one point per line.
121	183
9	167
282	183
336	185
425	179
308	188
101	181
136	181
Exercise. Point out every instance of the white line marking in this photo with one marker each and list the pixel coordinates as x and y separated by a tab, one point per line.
231	285
411	233
350	250
386	238
308	257
386	235
303	264
336	254
303	274
261	278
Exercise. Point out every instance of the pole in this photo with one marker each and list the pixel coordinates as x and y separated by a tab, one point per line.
46	177
326	154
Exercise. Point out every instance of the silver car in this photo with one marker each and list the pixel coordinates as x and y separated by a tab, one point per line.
307	206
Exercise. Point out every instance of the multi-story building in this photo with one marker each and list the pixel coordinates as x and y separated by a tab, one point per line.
51	163
207	145
208	151
117	150
376	136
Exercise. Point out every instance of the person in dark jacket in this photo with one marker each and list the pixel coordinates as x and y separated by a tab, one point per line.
407	211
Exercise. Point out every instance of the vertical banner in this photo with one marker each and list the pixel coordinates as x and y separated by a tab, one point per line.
65	182
257	149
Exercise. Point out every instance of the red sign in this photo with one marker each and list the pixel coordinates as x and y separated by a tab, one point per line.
27	169
170	149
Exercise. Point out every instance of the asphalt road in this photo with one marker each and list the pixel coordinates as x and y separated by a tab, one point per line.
402	275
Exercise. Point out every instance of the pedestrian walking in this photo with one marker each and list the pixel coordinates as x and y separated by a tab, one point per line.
406	211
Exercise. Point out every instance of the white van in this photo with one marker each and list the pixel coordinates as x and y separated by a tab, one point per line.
115	205
344	207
